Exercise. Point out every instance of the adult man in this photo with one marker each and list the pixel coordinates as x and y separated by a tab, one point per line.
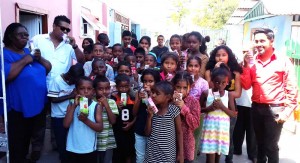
160	48
274	96
56	48
103	39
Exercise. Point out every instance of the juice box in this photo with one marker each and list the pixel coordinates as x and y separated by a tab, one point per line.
217	95
124	98
133	70
138	65
84	105
147	66
151	103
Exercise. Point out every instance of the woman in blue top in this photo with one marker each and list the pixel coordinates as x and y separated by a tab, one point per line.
26	91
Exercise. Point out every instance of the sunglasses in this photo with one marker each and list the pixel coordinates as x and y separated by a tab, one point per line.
64	29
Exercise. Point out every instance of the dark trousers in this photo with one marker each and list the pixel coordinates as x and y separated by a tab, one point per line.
244	125
60	137
20	132
267	132
82	158
229	157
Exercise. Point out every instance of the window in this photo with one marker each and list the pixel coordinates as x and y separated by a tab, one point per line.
85	27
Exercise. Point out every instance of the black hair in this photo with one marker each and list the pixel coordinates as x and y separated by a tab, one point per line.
76	71
133	35
88	49
203	46
89	40
121	78
172	55
123	63
139	50
82	78
185	37
197	35
232	62
268	32
126	33
98	60
9	31
134	43
195	58
182	76
109	48
115	45
99	79
61	18
102	36
152	72
98	43
164	86
160	36
149	54
129	55
128	51
220	71
147	38
175	36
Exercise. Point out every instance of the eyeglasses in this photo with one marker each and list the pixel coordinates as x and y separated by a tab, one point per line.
64	29
22	34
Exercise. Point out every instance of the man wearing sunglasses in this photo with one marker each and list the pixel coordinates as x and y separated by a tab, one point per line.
60	49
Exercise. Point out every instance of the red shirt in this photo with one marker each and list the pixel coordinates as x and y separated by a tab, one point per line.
273	82
190	120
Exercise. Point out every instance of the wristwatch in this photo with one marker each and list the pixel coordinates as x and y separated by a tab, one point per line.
75	46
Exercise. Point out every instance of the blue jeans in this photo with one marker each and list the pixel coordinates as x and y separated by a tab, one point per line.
60	133
140	147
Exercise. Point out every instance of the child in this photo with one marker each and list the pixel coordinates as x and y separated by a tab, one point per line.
151	60
145	43
125	68
86	42
124	126
199	90
165	143
105	139
149	78
126	39
219	108
117	50
169	65
195	41
189	112
175	44
98	68
108	56
140	59
82	139
61	91
98	52
88	53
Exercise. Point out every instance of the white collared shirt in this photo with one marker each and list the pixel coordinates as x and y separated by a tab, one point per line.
60	57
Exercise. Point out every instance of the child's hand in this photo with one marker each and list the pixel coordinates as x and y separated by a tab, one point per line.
142	94
76	101
180	158
218	64
82	117
218	104
103	101
169	77
73	93
150	111
177	100
127	127
136	76
120	105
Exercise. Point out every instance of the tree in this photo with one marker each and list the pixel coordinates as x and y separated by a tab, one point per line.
181	11
215	14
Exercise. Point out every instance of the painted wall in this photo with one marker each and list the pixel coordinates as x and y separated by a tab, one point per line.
281	25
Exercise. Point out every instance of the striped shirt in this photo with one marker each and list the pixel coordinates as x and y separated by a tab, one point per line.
106	139
161	145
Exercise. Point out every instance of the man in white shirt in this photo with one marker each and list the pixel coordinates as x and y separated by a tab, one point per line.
60	50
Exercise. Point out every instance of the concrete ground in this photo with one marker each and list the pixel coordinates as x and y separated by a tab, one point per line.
289	150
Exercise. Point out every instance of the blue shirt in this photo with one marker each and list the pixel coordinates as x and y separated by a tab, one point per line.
27	93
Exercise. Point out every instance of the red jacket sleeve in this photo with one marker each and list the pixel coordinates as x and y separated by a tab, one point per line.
191	113
246	81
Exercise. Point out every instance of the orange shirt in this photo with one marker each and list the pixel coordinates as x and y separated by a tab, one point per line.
273	82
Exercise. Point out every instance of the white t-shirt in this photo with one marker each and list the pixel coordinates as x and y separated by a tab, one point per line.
58	88
245	99
109	71
60	57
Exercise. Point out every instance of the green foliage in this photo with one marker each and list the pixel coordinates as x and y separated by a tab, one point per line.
181	11
215	14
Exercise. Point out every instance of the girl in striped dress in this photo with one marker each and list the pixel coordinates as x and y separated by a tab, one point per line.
165	143
219	107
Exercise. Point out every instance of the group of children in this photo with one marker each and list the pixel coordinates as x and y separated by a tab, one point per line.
139	111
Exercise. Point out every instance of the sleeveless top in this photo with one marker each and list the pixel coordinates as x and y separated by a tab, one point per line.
81	138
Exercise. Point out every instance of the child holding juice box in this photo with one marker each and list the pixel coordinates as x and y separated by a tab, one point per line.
124	126
83	123
169	65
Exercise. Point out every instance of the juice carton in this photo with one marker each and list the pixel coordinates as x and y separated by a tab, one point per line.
124	98
151	103
84	105
217	95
